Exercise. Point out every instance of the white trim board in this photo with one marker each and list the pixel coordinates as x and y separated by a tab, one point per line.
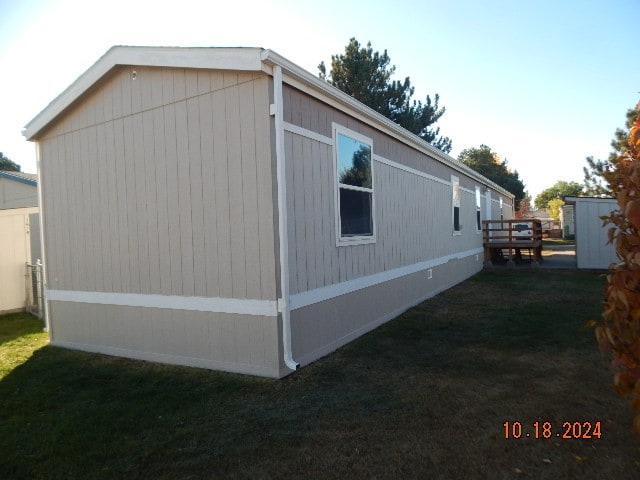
304	299
303	132
239	306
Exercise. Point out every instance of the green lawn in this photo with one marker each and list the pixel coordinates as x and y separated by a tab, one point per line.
424	396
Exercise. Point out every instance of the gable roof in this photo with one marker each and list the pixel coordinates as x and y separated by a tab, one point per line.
239	59
20	177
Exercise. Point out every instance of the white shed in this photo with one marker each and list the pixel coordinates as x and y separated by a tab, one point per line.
223	208
592	250
19	236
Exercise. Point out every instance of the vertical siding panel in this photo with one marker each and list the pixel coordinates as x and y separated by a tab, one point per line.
103	210
197	209
298	192
243	340
87	281
256	341
167	86
210	258
179	87
122	171
151	166
114	213
306	162
236	193
191	82
228	335
321	206
126	93
145	81
50	171
291	213
63	262
173	199
265	191
217	80
132	211
164	249
140	176
116	93
222	196
71	230
81	217
136	91
249	188
184	199
204	82
156	88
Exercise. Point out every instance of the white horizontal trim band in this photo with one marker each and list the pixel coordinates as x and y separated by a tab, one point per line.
303	132
399	166
310	297
267	308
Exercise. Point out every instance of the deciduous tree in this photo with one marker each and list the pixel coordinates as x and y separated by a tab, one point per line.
367	76
559	190
489	164
619	330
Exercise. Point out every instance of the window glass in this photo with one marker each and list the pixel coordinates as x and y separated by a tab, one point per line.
355	219
354	162
455	187
355	213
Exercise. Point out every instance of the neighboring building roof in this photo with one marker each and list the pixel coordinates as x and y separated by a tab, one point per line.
21	177
243	59
573	200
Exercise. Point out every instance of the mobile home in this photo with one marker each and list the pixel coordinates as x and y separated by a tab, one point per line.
224	208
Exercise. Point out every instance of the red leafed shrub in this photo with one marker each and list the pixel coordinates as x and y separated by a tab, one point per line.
619	330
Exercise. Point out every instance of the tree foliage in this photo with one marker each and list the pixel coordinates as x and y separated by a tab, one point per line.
7	165
489	164
619	329
553	208
524	209
367	76
594	181
559	190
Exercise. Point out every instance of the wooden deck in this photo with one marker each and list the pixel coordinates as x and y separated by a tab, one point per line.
502	239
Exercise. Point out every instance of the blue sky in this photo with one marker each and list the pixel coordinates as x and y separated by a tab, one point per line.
543	83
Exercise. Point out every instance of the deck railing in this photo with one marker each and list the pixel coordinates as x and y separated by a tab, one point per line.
507	235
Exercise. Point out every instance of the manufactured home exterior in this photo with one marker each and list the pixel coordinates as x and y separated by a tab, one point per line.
224	208
592	247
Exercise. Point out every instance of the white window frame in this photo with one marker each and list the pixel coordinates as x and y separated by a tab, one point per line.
455	185
501	214
478	210
352	240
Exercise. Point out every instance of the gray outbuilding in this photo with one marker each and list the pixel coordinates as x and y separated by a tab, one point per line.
224	208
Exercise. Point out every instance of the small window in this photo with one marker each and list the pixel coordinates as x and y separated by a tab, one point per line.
478	208
455	194
501	214
354	174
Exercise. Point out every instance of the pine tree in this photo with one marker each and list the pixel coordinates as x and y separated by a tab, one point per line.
367	76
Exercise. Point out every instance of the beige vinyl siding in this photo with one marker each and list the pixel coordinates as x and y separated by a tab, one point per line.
236	343
15	194
322	327
163	185
413	213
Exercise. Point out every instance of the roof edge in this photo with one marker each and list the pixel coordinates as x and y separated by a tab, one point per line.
273	58
228	58
18	178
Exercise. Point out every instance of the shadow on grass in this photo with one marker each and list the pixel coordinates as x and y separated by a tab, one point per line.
424	396
14	325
